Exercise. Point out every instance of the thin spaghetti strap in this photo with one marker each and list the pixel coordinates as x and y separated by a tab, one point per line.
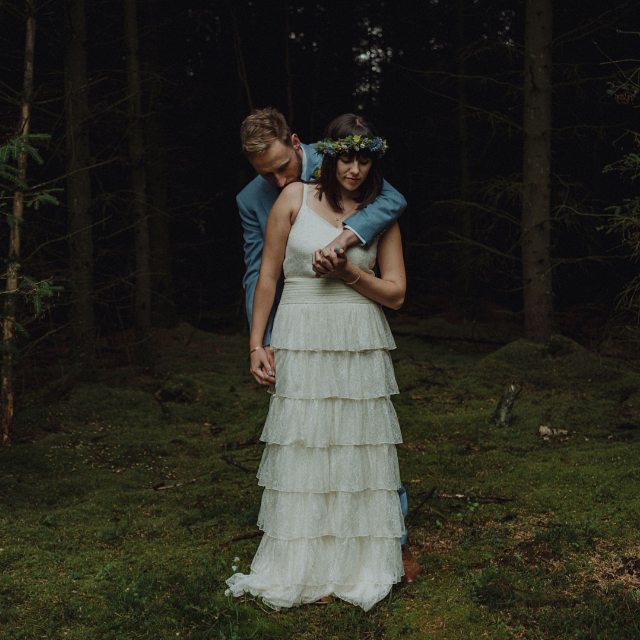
305	195
303	203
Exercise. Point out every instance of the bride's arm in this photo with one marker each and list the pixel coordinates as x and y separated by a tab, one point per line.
279	224
389	289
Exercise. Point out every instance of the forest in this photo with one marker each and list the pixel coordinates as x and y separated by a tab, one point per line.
129	423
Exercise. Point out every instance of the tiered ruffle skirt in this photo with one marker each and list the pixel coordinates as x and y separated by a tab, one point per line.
330	509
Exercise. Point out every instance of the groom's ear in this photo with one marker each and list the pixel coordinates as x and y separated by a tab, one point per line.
295	141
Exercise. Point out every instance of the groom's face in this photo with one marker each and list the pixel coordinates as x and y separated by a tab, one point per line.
279	164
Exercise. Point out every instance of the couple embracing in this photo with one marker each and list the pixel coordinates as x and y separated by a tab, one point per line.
333	506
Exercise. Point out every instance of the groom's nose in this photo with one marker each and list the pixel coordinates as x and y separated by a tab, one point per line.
281	181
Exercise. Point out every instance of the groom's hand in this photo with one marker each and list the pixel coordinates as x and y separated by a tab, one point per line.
263	366
345	240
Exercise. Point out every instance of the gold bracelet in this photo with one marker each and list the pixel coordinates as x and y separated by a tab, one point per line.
356	280
254	349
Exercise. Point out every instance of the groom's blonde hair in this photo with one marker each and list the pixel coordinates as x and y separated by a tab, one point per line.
261	128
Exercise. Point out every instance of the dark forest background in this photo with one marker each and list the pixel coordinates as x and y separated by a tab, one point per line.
442	79
129	495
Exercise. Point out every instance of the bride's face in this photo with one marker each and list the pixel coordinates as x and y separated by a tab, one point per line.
352	171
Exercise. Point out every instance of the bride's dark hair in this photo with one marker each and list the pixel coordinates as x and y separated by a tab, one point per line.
345	125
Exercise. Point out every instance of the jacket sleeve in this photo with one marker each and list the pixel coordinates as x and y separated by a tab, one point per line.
253	244
377	216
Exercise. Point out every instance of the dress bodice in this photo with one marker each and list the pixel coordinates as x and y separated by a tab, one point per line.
310	232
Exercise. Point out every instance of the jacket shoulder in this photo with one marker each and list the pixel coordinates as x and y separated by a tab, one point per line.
256	189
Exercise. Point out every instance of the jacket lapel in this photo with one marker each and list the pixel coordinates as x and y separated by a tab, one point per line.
313	160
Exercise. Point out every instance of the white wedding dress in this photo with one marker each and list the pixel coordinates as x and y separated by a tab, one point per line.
330	509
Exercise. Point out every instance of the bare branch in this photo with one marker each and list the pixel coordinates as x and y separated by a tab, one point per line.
598	23
490	115
484	247
499	213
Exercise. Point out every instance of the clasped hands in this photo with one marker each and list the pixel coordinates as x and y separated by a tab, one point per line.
330	262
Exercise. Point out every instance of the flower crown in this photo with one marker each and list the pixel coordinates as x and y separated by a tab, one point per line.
352	144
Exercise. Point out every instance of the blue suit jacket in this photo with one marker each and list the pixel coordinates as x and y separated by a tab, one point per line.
255	202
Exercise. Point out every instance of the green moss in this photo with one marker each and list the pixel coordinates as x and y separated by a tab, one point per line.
121	515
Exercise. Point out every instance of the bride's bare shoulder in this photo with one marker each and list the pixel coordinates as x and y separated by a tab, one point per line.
292	191
290	198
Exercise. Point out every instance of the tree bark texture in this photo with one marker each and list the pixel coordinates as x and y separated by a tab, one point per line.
240	63
467	269
535	233
142	302
163	311
79	182
287	65
13	262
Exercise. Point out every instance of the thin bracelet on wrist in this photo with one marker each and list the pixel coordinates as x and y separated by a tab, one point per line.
254	349
356	280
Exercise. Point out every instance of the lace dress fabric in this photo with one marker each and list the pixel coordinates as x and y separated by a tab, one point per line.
330	509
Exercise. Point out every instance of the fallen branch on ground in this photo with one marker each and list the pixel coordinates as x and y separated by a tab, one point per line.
229	460
245	536
161	486
426	496
481	499
245	443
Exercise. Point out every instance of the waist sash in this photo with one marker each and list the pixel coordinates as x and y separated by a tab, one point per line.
318	291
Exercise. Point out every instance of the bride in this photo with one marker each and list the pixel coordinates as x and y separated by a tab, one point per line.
330	508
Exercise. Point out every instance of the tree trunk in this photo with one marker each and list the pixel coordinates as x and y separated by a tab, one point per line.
79	183
240	64
142	302
13	262
163	311
467	269
287	65
535	237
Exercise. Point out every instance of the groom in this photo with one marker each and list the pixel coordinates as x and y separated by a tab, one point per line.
279	158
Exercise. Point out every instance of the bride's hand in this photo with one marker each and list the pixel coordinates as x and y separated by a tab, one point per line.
263	366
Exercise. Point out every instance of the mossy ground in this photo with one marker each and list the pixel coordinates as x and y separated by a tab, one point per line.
119	504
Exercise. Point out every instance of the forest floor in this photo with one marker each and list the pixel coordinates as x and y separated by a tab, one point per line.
125	503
